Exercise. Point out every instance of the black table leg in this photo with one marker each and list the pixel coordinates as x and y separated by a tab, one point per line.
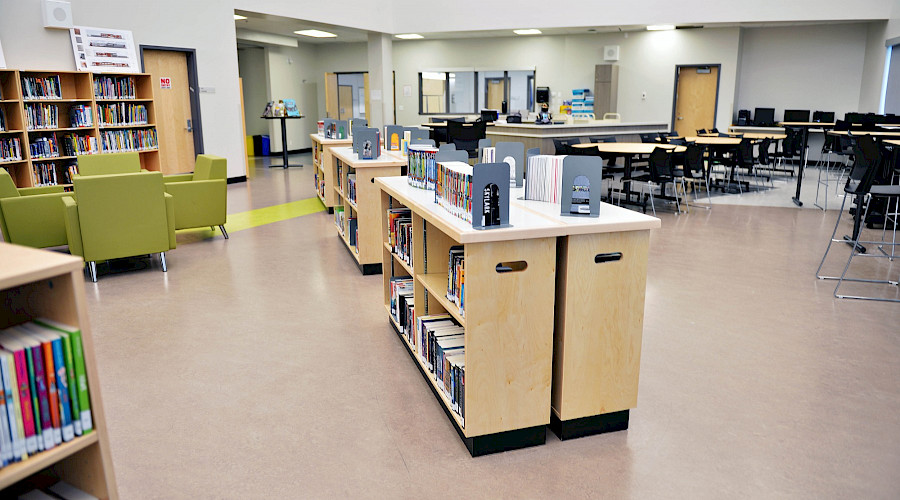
284	147
804	143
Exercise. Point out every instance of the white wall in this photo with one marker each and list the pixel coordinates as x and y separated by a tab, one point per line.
252	68
563	63
803	67
292	75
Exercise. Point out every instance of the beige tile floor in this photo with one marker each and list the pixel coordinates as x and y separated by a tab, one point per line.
264	367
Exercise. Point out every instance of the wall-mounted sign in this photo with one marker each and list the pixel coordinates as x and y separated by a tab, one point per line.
104	50
165	82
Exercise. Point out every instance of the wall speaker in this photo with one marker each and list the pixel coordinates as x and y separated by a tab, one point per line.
57	14
611	53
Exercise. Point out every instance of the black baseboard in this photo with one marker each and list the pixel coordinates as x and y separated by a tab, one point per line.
365	269
235	180
489	443
588	426
291	152
330	210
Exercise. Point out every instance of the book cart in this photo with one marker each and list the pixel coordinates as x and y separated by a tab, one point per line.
324	174
361	201
40	283
76	90
534	337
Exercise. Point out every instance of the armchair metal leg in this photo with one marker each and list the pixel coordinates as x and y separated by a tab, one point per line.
162	261
224	232
92	270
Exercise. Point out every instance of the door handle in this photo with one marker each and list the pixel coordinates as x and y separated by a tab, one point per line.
681	118
190	126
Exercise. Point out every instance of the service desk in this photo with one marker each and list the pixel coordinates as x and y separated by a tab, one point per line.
541	136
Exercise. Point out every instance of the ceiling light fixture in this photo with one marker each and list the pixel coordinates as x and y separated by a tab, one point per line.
527	32
238	17
316	33
660	27
410	36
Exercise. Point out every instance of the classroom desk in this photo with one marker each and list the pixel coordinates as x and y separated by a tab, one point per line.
892	142
541	136
860	132
804	143
714	141
629	150
756	136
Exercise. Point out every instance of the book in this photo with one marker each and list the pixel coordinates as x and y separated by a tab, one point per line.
45	418
41	88
393	134
290	108
15	449
543	178
268	111
10	149
18	348
53	394
114	87
78	376
421	166
453	188
456	278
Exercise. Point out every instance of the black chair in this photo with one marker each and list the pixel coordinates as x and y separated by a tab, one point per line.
466	135
744	159
714	131
661	173
649	138
764	158
564	146
701	131
694	172
790	150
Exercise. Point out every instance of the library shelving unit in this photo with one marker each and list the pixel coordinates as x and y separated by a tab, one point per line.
535	316
365	207
76	89
324	175
40	283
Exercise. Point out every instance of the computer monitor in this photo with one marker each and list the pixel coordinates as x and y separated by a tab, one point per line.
796	115
543	95
763	117
489	115
823	117
853	117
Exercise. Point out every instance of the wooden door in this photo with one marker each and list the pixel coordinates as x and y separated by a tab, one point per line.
331	96
695	99
173	109
494	94
345	102
368	105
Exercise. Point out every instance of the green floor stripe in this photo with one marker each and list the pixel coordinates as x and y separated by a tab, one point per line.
259	217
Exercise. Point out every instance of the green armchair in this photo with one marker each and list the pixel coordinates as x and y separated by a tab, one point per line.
31	216
109	163
200	198
119	215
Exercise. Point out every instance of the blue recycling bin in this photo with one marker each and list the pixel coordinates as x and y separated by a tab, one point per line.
265	145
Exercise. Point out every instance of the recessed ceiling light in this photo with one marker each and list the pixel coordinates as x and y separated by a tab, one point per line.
410	36
527	32
316	33
238	17
660	27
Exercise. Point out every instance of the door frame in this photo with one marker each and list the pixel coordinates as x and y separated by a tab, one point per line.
675	89
196	122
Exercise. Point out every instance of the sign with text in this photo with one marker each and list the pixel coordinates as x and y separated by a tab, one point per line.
104	50
165	82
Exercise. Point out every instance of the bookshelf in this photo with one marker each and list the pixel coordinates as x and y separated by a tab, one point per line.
365	207
65	119
42	283
324	179
534	319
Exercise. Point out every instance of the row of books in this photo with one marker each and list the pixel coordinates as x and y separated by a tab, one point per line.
40	116
421	166
74	144
401	300
400	233
41	88
45	147
489	155
453	189
128	140
441	344
2	117
339	218
121	113
46	174
81	116
351	188
456	278
114	87
543	178
10	149
45	399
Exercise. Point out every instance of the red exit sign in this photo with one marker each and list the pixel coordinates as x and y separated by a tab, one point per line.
165	82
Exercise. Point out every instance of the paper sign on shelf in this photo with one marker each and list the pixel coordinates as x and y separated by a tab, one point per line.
104	50
165	82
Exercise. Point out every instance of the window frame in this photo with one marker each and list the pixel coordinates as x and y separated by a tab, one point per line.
531	99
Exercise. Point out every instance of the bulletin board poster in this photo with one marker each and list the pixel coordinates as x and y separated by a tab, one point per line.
103	50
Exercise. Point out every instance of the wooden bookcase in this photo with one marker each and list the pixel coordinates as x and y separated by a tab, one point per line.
324	176
367	250
49	284
530	335
77	88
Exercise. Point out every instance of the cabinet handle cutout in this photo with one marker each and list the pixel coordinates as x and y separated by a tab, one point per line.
512	267
607	257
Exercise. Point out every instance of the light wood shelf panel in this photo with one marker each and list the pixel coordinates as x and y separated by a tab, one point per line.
18	471
436	284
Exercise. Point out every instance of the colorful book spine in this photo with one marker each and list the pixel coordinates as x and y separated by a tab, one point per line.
108	87
74	410
17	446
6	443
421	166
10	149
41	88
48	430
62	385
25	401
35	400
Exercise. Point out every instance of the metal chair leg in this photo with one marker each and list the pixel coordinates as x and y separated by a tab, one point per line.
831	240
224	232
859	280
652	203
92	271
162	261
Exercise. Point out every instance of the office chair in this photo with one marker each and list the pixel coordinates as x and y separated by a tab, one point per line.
466	136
